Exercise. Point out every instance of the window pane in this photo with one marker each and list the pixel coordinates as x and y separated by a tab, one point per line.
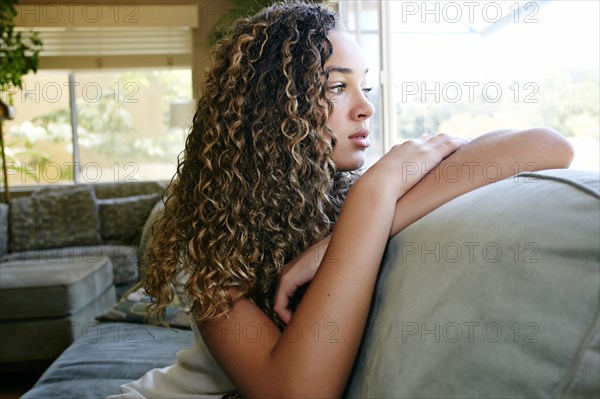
469	67
39	147
124	129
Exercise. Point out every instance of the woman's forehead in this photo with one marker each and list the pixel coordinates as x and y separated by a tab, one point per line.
346	52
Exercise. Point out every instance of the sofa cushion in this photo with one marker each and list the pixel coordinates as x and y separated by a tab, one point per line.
122	219
54	218
47	289
126	189
124	258
111	354
45	338
494	294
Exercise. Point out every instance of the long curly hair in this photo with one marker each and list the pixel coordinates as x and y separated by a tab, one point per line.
255	185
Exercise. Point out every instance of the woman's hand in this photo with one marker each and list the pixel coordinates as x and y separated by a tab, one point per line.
510	151
294	275
406	164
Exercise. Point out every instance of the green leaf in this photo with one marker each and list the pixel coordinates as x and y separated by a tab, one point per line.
19	54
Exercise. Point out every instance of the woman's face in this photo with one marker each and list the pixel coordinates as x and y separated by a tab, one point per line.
349	119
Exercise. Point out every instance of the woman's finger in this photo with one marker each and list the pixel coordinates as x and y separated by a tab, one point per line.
282	300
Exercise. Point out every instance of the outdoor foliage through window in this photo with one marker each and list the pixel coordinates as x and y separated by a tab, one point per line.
469	67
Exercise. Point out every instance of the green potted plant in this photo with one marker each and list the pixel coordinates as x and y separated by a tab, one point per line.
19	54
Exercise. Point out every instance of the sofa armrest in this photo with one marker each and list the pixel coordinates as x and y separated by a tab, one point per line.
3	230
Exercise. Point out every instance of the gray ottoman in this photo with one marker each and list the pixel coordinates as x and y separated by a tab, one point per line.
47	304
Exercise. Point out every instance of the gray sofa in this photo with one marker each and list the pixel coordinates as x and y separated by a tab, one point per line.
66	254
495	294
89	220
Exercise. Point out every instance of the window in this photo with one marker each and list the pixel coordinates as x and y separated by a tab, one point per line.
466	68
112	99
29	146
120	127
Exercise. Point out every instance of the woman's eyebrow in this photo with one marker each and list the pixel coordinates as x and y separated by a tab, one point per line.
343	70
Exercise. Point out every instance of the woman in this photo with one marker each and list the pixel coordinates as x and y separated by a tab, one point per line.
283	121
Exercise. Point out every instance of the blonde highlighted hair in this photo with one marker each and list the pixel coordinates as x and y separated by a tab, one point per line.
255	185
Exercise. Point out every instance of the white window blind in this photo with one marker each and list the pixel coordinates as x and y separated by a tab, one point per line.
144	36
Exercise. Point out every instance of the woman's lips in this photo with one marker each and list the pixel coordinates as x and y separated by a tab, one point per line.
361	139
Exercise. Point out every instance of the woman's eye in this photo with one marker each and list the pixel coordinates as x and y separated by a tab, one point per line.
337	89
367	90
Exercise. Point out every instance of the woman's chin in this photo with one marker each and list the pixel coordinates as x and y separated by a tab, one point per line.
355	162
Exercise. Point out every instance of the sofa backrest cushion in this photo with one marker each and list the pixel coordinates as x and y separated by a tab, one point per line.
126	189
54	218
122	219
494	294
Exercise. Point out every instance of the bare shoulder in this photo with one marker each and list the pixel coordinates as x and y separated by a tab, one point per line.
241	342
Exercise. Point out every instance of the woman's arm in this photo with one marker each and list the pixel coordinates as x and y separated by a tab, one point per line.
313	355
486	159
295	274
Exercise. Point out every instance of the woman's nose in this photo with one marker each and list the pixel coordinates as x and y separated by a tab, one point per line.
364	109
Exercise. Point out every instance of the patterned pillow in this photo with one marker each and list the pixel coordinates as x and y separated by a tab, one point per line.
54	218
122	219
133	307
